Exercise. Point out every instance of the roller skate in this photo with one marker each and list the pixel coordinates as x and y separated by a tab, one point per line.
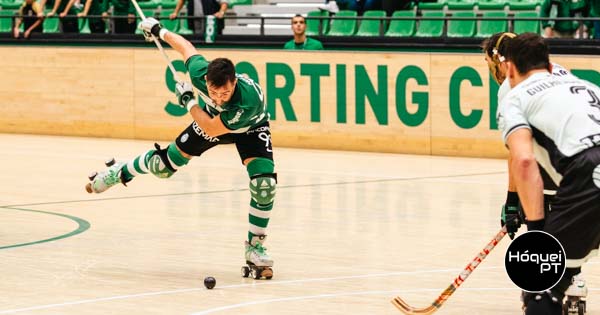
544	302
575	296
100	182
258	262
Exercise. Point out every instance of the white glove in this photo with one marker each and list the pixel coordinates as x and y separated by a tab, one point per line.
185	95
151	26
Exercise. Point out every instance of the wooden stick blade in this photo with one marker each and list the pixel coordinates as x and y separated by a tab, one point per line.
409	310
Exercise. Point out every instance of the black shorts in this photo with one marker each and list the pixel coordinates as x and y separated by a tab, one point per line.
256	142
574	218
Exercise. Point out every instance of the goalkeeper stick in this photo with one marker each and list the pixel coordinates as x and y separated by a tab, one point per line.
407	309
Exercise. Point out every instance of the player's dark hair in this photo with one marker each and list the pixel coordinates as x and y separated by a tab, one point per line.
220	71
298	16
527	52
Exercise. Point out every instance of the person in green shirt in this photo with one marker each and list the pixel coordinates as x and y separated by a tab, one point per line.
91	7
562	9
301	41
68	18
234	111
121	8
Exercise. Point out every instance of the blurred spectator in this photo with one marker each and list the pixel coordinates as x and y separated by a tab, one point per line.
44	3
68	20
202	8
120	8
360	6
562	9
91	7
31	15
390	6
301	41
595	12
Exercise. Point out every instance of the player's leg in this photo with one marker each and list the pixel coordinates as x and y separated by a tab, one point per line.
254	147
161	162
262	192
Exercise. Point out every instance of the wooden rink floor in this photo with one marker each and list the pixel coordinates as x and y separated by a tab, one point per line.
349	231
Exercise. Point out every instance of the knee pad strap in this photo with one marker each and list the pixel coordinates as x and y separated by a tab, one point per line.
159	163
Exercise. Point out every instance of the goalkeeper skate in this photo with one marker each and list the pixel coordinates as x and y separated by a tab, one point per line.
258	262
575	296
100	182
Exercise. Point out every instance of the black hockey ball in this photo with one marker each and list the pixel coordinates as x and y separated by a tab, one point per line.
210	282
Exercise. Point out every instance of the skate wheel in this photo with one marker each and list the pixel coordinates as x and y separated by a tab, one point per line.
110	162
92	175
255	273
245	271
581	308
88	188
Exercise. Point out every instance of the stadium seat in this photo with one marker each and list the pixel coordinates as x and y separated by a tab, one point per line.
149	4
233	3
402	28
431	28
171	25
461	4
524	5
10	4
343	27
51	25
183	27
167	5
462	28
436	6
312	25
371	27
6	21
485	5
524	26
84	25
488	28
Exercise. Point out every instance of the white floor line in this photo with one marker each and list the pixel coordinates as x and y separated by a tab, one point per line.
332	295
271	282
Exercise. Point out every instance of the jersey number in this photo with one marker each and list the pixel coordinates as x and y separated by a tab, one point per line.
594	101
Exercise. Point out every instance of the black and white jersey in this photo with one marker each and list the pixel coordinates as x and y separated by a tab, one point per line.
557	70
562	112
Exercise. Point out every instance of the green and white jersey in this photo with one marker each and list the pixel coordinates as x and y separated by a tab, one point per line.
247	107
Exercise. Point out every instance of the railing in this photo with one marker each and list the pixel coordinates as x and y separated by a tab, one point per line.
262	21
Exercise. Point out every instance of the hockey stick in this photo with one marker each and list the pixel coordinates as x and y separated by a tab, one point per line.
204	97
157	42
407	309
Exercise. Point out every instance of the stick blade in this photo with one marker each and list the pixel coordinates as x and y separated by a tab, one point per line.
409	310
